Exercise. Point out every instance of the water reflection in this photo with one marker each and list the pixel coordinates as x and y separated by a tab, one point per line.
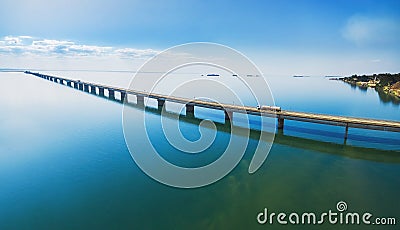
387	98
383	96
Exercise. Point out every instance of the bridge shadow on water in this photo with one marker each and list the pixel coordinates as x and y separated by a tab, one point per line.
346	150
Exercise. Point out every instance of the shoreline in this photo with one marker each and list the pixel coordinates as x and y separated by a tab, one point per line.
384	82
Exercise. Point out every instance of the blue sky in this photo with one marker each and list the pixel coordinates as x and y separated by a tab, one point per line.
315	35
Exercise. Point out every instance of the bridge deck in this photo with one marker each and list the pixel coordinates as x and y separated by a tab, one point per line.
364	123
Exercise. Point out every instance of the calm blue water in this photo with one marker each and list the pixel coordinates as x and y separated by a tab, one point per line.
64	163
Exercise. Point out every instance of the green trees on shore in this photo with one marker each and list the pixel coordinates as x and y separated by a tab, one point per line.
384	79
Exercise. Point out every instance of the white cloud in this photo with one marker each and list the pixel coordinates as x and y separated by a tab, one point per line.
136	52
371	30
27	45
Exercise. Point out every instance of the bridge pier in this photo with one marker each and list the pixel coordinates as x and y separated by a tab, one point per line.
101	92
346	133
140	100
80	86
86	87
123	96
161	103
111	94
190	110
281	122
69	83
228	115
93	89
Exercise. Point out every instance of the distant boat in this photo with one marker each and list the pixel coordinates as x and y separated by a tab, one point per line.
300	76
212	75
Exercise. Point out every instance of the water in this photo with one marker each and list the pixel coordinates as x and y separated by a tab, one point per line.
64	163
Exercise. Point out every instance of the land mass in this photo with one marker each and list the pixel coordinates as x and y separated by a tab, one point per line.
386	82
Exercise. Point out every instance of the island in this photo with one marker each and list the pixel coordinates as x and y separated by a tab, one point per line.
385	82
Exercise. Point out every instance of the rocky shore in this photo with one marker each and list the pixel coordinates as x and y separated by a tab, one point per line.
387	82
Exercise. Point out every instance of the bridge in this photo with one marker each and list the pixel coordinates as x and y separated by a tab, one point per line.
229	109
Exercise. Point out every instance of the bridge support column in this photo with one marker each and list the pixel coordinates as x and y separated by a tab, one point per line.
161	103
190	110
93	89
60	81
281	122
228	115
111	94
69	83
140	100
86	87
346	133
101	92
123	96
80	86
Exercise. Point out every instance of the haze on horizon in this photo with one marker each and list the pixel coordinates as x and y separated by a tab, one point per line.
306	38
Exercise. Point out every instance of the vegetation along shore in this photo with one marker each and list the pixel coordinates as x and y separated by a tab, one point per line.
386	82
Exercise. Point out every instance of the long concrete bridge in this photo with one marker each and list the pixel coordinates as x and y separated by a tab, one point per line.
281	115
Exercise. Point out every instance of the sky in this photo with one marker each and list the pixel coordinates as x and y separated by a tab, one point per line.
304	37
